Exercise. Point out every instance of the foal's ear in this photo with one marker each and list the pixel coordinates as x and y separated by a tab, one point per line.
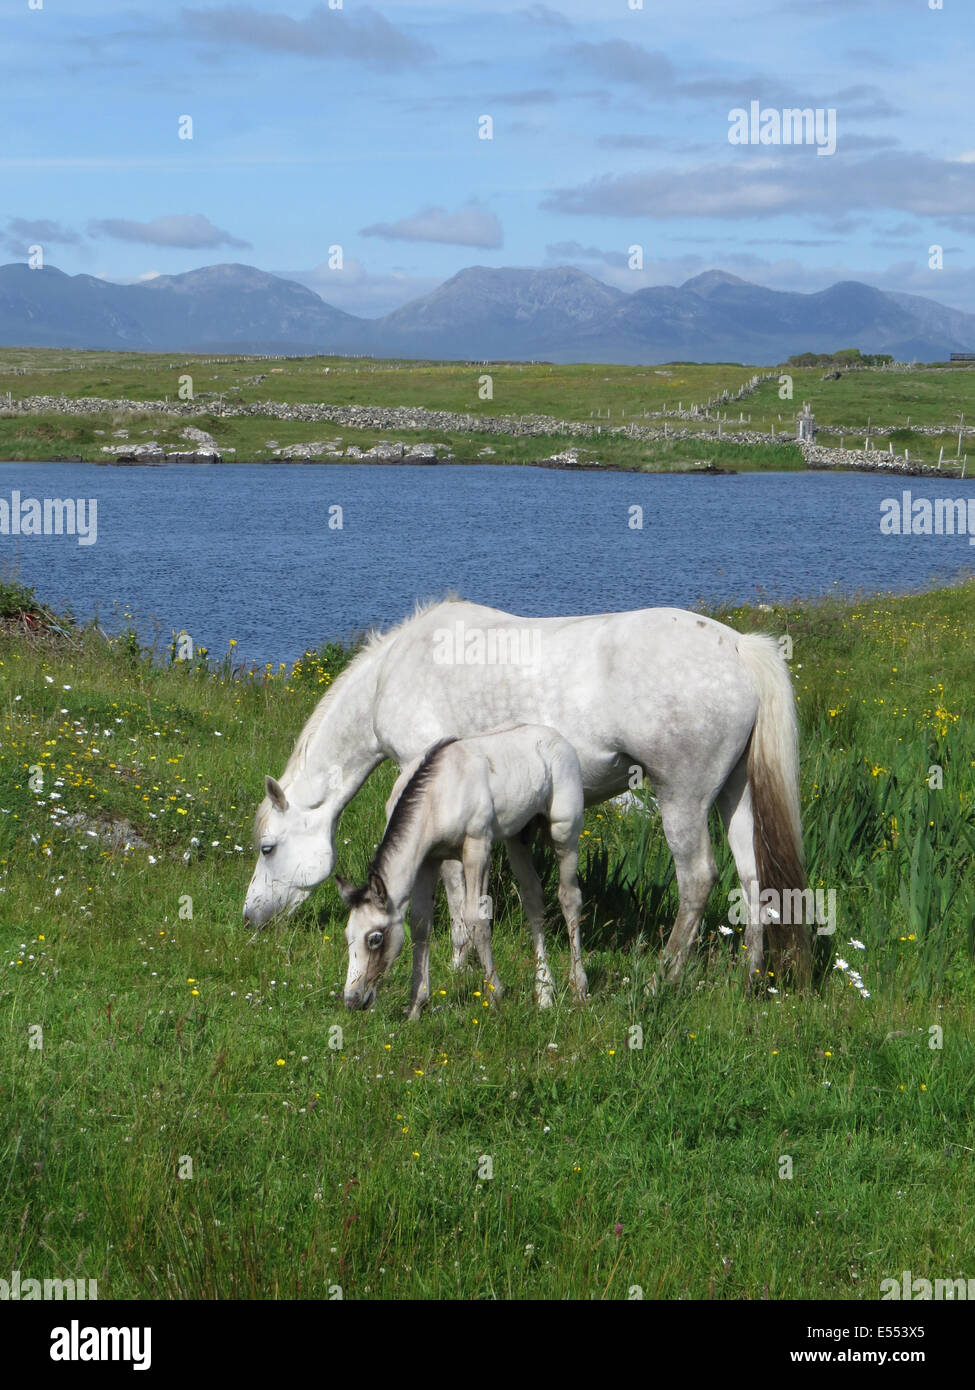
275	793
378	892
347	890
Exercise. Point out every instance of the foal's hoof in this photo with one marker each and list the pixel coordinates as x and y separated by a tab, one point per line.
660	980
545	997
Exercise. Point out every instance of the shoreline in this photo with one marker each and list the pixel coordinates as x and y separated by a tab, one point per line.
721	610
856	463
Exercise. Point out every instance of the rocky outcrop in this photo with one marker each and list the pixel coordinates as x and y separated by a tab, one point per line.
205	442
392	452
569	458
153	453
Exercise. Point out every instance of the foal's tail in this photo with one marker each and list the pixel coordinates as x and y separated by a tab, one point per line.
773	778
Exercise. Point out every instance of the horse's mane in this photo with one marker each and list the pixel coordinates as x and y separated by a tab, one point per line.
376	639
406	807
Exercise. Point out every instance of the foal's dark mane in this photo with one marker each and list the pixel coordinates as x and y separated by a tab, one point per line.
406	808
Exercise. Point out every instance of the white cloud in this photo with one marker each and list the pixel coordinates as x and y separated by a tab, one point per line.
471	225
189	231
363	36
743	187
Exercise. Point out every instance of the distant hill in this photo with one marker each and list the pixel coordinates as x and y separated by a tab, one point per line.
500	313
217	307
563	315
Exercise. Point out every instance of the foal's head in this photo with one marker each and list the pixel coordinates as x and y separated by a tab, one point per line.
375	935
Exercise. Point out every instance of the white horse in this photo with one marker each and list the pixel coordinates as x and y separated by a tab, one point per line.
706	712
454	803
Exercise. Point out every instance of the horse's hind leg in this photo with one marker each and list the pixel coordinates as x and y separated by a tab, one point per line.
735	805
533	901
686	828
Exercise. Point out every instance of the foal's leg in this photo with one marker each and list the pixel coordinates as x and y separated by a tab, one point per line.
452	873
477	920
533	901
421	917
686	828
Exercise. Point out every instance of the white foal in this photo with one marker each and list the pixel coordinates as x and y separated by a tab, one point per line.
455	802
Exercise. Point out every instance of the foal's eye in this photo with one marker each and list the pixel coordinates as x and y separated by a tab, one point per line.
267	849
374	940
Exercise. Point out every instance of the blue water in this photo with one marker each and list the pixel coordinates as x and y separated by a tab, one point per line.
247	552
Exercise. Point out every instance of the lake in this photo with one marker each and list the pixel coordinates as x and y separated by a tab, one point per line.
247	552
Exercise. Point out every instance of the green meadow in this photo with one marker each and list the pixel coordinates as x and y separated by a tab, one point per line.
611	396
191	1114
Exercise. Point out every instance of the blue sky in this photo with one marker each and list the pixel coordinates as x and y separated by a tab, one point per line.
356	125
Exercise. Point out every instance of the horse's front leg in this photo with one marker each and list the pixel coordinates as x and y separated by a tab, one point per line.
461	940
421	920
478	912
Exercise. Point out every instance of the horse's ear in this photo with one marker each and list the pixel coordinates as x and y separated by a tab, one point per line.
377	888
275	793
346	889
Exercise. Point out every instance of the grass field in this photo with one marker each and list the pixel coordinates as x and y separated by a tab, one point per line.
610	395
39	437
187	1114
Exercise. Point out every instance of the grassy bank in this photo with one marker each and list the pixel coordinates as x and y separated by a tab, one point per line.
314	1159
40	437
611	396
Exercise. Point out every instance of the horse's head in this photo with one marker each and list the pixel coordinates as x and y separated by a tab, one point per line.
295	854
374	933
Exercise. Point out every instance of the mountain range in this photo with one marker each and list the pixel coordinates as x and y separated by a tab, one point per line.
557	315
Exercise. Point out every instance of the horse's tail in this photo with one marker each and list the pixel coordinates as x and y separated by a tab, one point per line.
773	779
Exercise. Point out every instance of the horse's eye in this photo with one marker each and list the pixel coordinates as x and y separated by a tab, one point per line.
267	849
374	940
